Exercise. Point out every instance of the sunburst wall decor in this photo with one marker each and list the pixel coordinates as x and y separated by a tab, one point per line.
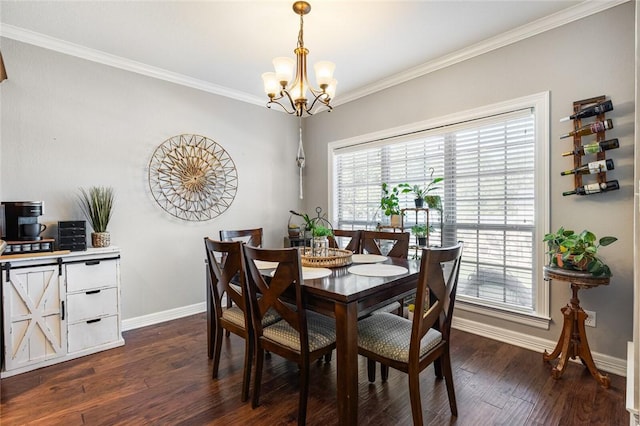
192	177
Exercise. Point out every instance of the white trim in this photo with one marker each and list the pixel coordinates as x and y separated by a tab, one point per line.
168	315
531	29
72	49
603	362
530	319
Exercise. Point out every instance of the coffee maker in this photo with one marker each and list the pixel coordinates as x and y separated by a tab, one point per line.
21	220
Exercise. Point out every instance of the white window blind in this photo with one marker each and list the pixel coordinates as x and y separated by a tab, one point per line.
488	196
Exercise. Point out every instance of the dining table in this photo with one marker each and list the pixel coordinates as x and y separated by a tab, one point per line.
348	294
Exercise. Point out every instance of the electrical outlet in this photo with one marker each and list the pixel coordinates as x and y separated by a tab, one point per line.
591	318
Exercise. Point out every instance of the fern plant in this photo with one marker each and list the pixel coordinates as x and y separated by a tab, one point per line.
97	205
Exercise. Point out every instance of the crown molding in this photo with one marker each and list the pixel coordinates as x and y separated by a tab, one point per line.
582	10
72	49
547	23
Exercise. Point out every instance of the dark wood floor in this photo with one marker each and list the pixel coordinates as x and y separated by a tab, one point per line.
162	377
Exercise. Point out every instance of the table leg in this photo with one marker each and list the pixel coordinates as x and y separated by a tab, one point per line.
347	362
584	352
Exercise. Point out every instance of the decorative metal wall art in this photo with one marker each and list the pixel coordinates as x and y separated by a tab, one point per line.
192	177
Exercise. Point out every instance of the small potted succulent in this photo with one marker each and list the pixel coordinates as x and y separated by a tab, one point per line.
578	252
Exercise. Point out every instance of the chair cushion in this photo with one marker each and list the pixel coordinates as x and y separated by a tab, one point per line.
321	329
236	316
389	335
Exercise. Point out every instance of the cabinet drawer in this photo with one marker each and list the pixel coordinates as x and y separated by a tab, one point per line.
91	274
92	304
85	335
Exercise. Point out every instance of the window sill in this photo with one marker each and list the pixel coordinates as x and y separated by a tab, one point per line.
530	319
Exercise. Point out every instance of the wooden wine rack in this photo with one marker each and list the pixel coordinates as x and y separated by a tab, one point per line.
577	139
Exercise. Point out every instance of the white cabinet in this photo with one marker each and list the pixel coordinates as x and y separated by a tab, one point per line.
59	307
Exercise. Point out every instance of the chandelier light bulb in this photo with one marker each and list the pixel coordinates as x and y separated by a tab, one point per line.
331	89
284	69
324	72
271	84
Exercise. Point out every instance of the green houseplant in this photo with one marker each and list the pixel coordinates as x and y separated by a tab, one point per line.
422	193
421	231
579	252
96	204
390	203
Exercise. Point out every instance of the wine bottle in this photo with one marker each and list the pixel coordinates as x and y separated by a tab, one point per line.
594	148
596	109
594	188
590	168
595	127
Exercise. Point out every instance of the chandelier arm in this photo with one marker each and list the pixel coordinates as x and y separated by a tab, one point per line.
281	106
324	102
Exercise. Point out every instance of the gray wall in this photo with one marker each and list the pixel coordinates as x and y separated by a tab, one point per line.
70	123
589	57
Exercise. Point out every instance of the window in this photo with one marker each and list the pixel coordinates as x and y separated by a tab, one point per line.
493	161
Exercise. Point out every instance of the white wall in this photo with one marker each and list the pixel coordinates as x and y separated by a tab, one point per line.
590	57
69	123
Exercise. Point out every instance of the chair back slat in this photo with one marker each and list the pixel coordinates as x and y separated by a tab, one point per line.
252	237
436	288
342	234
224	263
370	243
280	292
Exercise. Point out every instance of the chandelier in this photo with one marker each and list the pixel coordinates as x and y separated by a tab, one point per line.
282	85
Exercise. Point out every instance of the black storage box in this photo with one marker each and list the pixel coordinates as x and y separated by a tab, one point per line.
72	235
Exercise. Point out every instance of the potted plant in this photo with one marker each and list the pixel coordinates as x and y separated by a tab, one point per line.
321	240
421	231
390	203
578	252
96	204
422	193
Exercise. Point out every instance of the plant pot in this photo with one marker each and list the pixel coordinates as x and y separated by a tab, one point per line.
320	247
419	202
396	220
294	232
100	239
422	241
570	264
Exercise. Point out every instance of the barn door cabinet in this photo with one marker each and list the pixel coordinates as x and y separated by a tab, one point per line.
59	307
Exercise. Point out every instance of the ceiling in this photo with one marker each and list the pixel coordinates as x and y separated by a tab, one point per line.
224	46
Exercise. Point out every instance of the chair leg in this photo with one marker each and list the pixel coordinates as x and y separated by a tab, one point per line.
248	360
304	394
437	368
448	378
371	370
217	347
414	396
384	372
257	377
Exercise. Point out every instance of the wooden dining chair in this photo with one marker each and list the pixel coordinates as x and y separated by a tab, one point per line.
301	336
224	262
351	237
375	242
410	346
252	237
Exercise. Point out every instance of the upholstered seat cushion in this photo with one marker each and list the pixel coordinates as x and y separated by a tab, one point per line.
236	316
389	335
321	330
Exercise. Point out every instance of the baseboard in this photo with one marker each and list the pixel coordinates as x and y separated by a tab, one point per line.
158	317
604	362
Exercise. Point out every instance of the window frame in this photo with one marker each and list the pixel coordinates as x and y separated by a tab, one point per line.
538	318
